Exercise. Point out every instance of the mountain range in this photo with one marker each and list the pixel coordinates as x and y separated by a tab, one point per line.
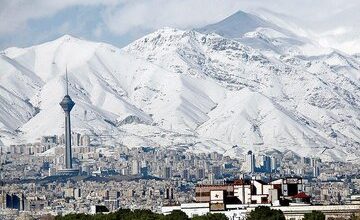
244	83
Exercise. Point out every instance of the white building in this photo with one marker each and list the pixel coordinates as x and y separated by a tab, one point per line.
239	211
239	198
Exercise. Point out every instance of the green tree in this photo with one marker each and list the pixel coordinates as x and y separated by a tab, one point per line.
140	214
121	213
176	215
265	213
73	216
211	216
314	215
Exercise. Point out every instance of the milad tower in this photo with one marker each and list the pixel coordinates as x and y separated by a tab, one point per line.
67	104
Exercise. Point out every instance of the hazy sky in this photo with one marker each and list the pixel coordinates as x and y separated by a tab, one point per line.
27	22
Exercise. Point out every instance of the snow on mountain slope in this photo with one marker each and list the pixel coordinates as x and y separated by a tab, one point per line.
318	98
15	83
202	92
249	117
112	87
189	52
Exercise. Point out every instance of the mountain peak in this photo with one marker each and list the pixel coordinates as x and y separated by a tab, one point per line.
236	25
17	51
241	15
67	37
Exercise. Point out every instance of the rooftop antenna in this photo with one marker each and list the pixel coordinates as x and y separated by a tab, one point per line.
67	82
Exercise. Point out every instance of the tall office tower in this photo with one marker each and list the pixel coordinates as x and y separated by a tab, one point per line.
274	164
267	164
312	162
76	139
135	167
185	174
315	167
15	201
67	104
77	193
112	200
167	173
216	170
200	174
211	178
250	160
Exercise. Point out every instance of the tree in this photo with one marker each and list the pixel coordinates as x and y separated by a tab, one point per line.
211	216
176	215
140	214
73	216
265	213
314	215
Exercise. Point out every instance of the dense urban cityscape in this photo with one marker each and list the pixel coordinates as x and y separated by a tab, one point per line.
150	178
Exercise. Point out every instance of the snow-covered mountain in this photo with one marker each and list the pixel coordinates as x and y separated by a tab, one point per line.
244	81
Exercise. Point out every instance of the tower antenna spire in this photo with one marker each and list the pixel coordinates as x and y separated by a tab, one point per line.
67	82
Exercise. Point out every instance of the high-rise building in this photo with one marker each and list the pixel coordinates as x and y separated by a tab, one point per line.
266	164
77	193
185	174
67	104
274	164
135	167
316	171
169	193
315	166
112	200
76	137
211	178
144	169
167	173
200	173
216	170
250	160
15	201
84	140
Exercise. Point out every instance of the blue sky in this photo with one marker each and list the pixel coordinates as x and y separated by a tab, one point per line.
27	22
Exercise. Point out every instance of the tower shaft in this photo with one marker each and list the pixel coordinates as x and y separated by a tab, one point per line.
68	154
